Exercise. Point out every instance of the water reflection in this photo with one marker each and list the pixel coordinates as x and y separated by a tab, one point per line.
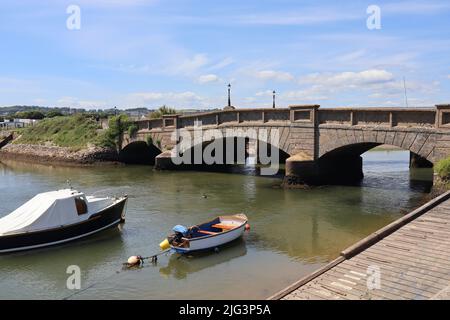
43	271
180	266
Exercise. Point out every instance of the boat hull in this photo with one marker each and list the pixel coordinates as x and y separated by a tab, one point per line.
212	241
102	220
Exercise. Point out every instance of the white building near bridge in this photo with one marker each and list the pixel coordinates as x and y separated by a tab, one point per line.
17	123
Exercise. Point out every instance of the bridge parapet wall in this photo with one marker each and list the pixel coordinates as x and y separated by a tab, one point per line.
387	117
438	117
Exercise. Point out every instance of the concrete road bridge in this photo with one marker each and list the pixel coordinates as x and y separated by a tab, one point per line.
318	144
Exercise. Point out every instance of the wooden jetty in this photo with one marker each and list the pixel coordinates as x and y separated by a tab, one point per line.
407	259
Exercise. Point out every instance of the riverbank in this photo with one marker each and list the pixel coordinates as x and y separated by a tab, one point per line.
68	140
93	155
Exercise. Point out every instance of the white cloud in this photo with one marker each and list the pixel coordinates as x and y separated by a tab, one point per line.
274	75
180	100
415	7
396	89
448	76
308	16
308	94
351	56
264	93
73	102
207	78
349	79
378	86
189	66
114	3
222	64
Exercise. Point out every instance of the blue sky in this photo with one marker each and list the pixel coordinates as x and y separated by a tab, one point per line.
183	53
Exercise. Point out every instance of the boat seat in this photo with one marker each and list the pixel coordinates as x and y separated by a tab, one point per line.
223	226
207	232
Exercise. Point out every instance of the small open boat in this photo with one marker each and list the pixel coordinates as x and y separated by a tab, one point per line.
212	234
57	217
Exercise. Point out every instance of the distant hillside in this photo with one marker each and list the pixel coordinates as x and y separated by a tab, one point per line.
14	109
11	111
133	112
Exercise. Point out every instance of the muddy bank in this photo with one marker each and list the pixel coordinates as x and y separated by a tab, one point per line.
59	155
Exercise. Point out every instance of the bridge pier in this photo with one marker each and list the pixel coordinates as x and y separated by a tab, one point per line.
416	161
346	169
301	170
163	161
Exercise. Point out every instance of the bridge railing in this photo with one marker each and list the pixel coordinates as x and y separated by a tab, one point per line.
438	117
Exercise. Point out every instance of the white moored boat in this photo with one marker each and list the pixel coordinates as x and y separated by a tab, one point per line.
57	217
212	234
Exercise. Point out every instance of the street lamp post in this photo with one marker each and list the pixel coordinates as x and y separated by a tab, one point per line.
229	96
273	99
115	111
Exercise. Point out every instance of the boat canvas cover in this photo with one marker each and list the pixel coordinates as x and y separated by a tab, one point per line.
181	229
44	211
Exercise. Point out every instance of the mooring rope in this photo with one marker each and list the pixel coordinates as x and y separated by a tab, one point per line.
125	266
139	260
90	286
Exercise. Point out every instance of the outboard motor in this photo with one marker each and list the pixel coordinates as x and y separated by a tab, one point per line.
180	232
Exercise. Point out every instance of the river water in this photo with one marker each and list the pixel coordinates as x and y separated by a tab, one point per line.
293	232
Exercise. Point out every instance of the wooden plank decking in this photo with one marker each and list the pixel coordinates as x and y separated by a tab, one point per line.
412	255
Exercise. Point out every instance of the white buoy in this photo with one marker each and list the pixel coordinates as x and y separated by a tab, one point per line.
133	260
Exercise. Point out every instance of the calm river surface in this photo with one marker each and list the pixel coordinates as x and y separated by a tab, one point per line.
293	232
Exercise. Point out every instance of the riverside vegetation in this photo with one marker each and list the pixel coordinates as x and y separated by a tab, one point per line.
442	169
78	138
75	132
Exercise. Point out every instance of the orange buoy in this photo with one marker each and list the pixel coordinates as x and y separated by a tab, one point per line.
247	227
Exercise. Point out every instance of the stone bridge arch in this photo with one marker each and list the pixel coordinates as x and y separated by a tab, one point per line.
238	137
354	142
140	148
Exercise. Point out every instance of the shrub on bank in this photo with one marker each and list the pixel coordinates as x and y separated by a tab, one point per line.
53	113
33	114
149	140
162	111
442	168
132	129
117	125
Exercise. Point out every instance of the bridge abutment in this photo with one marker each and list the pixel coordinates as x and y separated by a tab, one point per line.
416	161
164	161
302	171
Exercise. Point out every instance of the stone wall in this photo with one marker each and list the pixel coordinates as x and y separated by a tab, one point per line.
52	154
